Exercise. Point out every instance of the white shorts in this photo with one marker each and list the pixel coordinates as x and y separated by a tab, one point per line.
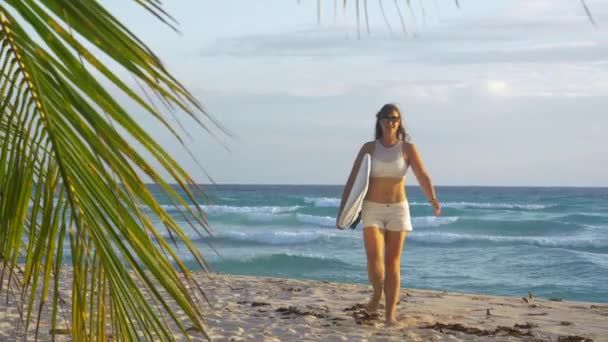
389	216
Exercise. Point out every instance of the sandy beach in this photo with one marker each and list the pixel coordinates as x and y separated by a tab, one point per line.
246	308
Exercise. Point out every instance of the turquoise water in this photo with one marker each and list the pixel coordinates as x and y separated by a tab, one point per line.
494	240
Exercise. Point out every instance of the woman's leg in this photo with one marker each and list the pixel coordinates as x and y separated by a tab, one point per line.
392	284
374	248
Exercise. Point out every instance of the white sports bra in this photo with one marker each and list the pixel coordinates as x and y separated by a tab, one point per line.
388	161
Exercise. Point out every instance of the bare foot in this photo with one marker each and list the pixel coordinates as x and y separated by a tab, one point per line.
372	306
391	322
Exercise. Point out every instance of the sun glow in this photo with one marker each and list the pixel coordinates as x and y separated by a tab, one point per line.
497	87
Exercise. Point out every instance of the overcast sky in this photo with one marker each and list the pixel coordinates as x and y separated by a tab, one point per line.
509	92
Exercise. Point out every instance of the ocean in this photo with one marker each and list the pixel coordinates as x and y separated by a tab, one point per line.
552	242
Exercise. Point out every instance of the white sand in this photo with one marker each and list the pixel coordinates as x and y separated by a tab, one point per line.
248	308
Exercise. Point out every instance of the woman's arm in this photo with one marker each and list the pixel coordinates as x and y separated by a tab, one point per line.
351	178
422	176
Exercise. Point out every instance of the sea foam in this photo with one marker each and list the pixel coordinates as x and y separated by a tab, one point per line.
563	242
488	205
323	202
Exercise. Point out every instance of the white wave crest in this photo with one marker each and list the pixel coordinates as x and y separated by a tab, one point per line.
274	238
432	221
488	205
323	202
594	258
226	209
564	242
323	221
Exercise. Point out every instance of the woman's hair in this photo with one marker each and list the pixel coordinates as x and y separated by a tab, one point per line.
385	111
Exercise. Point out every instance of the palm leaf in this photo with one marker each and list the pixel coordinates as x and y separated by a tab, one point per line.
588	13
457	3
69	177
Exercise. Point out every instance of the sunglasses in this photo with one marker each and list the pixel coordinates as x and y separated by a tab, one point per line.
392	119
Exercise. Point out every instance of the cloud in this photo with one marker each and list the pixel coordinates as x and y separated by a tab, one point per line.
321	90
452	43
532	48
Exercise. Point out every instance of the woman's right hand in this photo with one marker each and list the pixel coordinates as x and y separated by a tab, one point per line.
436	206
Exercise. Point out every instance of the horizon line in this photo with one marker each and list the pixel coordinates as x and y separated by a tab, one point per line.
438	185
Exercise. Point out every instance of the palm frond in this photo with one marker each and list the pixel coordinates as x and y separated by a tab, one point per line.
588	13
457	3
71	180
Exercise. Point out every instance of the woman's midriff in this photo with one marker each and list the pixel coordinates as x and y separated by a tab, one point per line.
386	190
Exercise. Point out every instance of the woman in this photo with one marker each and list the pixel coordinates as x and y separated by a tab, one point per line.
386	214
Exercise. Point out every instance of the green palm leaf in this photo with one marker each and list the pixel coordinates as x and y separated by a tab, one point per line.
70	177
457	4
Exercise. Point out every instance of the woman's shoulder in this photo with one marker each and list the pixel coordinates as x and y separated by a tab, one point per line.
368	147
408	146
407	142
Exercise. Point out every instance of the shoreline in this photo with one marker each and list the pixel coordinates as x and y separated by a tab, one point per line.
457	292
253	308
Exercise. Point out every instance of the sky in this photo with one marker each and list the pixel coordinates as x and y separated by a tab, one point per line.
502	92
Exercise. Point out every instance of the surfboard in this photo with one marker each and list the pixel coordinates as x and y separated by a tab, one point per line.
354	201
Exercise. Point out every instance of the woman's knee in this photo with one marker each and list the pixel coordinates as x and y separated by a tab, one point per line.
392	264
375	264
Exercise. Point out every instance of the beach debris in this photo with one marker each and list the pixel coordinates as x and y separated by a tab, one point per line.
573	338
566	323
362	317
334	321
488	313
254	304
324	308
555	299
530	297
292	310
293	289
515	332
355	307
538	314
528	325
500	330
458	327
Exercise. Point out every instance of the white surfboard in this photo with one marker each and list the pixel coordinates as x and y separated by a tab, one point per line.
354	201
